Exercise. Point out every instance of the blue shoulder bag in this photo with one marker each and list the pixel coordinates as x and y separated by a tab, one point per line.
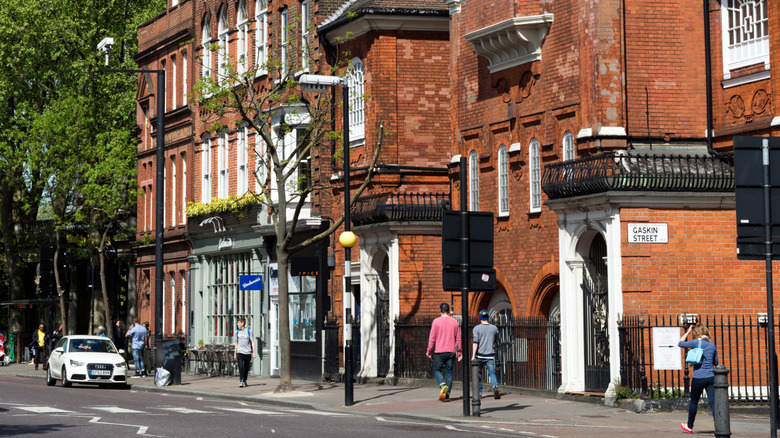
695	355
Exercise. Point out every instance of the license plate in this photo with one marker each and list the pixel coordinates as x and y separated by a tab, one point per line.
100	373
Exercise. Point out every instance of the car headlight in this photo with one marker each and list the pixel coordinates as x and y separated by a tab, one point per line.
121	365
75	363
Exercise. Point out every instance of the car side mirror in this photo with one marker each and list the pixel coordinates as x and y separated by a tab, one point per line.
121	351
59	350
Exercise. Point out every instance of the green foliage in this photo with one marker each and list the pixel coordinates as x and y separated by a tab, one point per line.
657	392
624	392
231	204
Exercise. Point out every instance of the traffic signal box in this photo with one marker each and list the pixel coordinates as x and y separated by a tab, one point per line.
479	240
749	193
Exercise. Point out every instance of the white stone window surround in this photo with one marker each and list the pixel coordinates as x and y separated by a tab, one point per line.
473	181
261	35
305	35
224	42
535	176
356	83
206	40
568	146
745	34
206	171
242	25
512	42
223	160
503	181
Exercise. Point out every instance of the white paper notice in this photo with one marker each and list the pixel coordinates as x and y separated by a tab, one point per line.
666	353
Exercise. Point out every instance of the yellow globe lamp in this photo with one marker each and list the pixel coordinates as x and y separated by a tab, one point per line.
347	239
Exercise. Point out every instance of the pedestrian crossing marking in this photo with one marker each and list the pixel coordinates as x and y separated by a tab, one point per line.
115	409
251	411
43	409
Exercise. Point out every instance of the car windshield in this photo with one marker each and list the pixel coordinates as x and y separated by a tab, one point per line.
92	345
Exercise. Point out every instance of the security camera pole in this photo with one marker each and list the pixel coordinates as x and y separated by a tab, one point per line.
105	47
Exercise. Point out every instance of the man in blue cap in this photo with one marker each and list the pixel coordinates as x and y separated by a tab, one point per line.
484	338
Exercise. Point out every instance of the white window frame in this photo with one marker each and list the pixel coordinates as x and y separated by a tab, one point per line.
357	110
503	181
164	68
205	196
242	182
242	25
284	21
473	181
183	188
174	90
206	40
224	49
224	300
184	78
745	25
173	190
305	35
535	176
569	152
259	163
261	36
223	160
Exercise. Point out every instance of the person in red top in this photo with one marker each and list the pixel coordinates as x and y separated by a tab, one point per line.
443	346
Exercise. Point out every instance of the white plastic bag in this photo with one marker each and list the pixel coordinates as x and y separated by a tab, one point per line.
162	377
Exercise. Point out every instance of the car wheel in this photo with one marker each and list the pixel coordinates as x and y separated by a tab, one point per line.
65	382
49	379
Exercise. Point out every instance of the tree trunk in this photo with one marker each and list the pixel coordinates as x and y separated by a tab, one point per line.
102	259
60	291
285	367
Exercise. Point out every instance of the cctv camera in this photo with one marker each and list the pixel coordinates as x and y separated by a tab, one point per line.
105	47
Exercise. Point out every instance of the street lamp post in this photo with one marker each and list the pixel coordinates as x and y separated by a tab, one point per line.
105	47
318	84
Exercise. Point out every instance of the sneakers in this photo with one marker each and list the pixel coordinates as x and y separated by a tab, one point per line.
242	384
137	376
443	393
685	428
496	394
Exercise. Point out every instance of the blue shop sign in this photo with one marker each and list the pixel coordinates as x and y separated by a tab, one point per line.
250	282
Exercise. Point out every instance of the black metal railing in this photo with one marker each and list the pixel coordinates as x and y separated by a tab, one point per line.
527	352
386	207
613	171
742	348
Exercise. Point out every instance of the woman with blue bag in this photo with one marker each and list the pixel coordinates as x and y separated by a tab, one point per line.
703	356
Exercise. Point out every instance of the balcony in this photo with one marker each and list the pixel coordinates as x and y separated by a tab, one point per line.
400	207
653	173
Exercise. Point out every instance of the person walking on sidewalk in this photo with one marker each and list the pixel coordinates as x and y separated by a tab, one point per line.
703	375
482	350
244	351
39	344
443	346
138	334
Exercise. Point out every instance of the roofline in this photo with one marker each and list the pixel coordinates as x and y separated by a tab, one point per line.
338	21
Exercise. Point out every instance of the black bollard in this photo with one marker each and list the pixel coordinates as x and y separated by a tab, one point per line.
721	403
475	397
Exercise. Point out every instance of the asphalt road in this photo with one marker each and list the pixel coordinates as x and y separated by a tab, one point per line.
29	408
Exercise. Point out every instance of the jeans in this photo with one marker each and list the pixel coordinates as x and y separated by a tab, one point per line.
697	386
138	358
490	364
243	365
446	361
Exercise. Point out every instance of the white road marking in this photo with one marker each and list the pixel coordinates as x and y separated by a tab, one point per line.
185	410
328	414
248	411
141	429
43	409
115	409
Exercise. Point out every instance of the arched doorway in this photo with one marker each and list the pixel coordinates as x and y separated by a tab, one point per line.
595	317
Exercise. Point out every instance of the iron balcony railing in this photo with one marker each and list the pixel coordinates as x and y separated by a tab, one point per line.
614	171
387	207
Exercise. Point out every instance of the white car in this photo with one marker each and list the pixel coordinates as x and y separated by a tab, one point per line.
86	359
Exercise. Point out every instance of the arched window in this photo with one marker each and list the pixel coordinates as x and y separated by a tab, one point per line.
222	163
242	25
222	54
535	176
305	35
568	146
355	82
261	34
206	41
284	41
473	181
503	181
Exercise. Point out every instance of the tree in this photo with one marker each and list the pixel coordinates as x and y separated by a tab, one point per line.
290	127
62	118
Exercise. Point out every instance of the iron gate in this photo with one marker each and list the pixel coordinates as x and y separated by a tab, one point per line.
596	338
383	330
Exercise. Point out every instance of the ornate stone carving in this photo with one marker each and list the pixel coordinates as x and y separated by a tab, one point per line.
758	104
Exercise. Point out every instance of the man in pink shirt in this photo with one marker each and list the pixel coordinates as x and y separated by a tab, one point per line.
444	345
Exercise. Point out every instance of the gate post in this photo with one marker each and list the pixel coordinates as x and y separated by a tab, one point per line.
476	401
720	408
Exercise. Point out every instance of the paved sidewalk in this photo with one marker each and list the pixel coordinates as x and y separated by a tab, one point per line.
527	415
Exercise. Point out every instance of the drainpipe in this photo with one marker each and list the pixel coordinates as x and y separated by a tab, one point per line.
708	78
